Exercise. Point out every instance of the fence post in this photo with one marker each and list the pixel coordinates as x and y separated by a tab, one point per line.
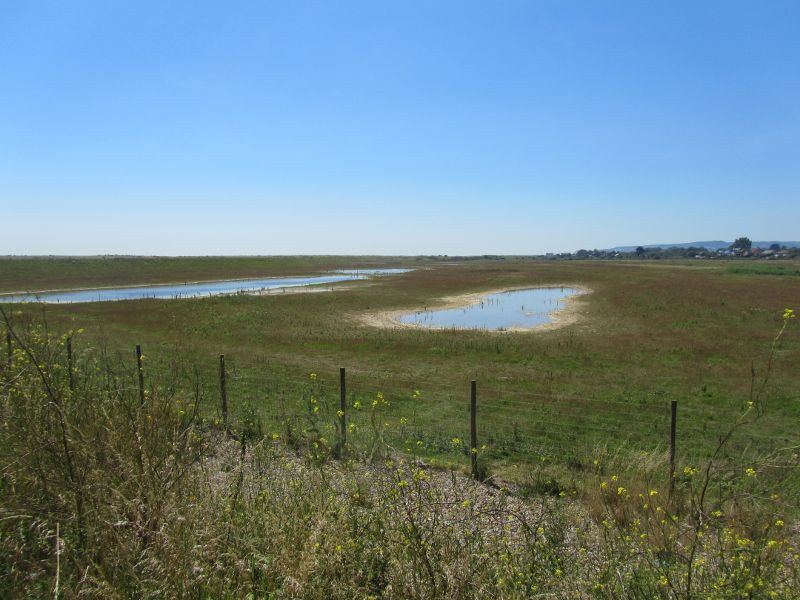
673	423
473	429
69	364
141	374
223	389
343	405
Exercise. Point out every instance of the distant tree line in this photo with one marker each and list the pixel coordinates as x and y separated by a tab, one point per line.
741	248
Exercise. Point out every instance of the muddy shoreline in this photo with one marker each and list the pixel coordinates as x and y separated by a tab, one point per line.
566	315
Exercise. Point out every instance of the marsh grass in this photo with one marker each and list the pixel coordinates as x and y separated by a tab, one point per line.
104	497
648	334
31	274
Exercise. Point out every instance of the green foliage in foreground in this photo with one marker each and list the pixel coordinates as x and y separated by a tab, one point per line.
102	496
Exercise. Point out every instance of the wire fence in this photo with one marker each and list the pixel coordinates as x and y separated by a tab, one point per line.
429	417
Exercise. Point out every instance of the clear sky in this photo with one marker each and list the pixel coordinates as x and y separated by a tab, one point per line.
408	127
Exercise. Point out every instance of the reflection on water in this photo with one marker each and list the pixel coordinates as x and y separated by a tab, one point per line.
195	290
518	309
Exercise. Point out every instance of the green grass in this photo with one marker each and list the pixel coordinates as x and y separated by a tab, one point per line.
106	494
31	274
780	270
648	334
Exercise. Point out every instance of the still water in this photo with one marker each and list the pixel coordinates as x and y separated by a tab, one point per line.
518	309
196	290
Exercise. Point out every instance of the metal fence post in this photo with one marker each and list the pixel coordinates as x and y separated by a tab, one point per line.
223	389
140	370
672	429
70	370
473	429
343	405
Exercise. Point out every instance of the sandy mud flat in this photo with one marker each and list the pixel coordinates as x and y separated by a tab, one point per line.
570	311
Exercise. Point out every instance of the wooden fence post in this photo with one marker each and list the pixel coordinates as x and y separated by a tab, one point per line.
141	374
673	423
343	405
223	389
69	364
473	429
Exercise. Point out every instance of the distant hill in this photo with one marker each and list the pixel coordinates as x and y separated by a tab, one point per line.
715	245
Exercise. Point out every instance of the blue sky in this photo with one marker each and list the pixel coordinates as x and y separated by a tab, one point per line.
343	127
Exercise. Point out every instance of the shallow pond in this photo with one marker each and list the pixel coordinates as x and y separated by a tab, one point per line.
195	290
517	309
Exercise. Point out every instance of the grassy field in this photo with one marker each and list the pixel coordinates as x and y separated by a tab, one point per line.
108	494
23	274
649	333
